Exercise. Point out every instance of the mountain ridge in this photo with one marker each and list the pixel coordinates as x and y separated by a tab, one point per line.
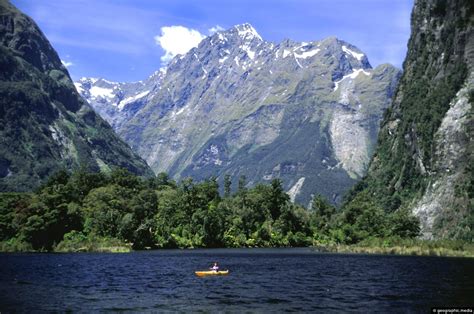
226	105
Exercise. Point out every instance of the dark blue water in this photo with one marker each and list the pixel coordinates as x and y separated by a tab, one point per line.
260	280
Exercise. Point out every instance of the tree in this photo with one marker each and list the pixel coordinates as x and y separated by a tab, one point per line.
321	214
161	181
81	182
13	207
104	209
277	198
404	224
362	218
242	184
125	178
227	185
60	177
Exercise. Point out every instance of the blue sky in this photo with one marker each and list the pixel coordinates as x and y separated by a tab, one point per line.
119	39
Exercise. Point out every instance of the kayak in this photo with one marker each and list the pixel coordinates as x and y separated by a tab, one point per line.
211	273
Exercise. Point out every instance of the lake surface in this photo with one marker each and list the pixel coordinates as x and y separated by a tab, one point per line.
260	280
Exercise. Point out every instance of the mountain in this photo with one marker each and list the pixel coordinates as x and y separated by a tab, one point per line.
44	123
424	159
118	102
305	112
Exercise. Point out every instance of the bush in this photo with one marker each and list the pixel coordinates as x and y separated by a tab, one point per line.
75	241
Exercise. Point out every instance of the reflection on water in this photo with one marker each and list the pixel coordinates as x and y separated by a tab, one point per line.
260	280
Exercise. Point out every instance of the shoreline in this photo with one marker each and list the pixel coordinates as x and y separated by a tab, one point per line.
394	250
398	250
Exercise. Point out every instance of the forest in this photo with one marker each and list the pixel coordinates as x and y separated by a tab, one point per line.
84	211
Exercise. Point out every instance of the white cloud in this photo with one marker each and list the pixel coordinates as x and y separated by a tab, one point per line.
215	29
177	40
67	64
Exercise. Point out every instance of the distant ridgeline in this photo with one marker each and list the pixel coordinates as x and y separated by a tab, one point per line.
44	123
424	159
307	113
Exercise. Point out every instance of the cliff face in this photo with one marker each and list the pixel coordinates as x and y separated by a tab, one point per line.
44	124
305	112
424	160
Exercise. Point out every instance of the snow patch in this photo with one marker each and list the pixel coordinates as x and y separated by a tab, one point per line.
307	54
286	53
352	75
247	50
251	54
356	55
79	88
128	100
97	91
299	64
246	31
222	60
180	111
109	82
214	149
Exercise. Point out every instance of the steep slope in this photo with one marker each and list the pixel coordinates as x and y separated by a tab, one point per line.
44	124
118	102
307	113
424	160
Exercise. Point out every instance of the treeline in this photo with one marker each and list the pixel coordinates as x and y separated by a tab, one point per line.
74	210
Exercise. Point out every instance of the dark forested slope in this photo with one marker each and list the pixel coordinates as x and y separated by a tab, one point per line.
44	124
424	158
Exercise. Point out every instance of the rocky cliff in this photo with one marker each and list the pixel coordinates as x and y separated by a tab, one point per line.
305	112
44	123
424	160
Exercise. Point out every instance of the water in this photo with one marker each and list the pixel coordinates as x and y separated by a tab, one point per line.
260	280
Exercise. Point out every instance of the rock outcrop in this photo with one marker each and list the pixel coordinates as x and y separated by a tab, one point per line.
424	160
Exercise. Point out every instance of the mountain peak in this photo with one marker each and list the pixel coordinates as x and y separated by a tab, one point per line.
246	31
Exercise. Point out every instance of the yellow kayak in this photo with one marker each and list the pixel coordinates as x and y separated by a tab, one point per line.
211	273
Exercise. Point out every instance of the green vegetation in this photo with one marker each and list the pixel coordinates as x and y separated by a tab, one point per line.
407	156
76	241
44	124
399	246
118	211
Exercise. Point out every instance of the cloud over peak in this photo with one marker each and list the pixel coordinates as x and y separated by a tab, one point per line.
177	40
215	29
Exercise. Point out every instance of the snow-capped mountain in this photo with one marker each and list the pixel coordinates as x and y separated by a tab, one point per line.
118	102
305	112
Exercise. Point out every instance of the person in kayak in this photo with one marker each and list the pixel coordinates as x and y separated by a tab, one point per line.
215	267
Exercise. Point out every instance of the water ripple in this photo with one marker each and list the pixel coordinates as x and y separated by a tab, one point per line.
260	280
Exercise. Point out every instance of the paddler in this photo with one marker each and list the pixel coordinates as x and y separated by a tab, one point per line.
215	267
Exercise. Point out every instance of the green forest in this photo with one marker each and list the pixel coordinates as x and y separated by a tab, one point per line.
84	211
